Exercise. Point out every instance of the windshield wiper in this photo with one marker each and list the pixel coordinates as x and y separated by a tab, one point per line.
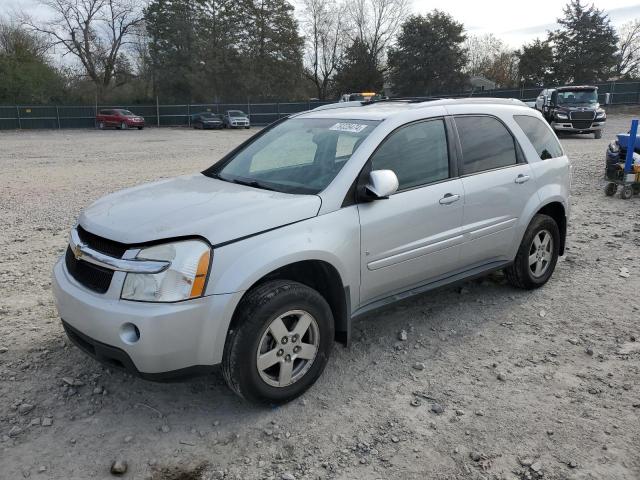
247	182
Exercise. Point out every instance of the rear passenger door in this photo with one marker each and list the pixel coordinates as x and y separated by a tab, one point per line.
413	236
497	184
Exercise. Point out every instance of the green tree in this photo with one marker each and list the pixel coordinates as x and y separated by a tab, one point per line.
536	63
27	75
585	45
271	49
429	56
358	70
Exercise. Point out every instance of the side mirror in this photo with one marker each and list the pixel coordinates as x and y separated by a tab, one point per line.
382	183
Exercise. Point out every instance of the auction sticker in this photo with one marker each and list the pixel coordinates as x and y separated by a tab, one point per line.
349	127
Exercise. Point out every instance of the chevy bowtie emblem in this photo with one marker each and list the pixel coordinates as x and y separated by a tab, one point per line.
77	252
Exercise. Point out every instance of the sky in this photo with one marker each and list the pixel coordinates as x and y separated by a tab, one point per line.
515	22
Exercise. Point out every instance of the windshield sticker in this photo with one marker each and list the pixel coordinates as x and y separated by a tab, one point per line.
349	127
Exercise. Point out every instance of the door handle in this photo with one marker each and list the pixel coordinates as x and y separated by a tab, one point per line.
449	198
522	178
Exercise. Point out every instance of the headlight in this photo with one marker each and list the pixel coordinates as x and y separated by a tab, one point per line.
614	147
562	116
185	278
601	115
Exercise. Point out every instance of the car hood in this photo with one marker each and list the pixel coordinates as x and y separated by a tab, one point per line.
193	205
579	108
239	118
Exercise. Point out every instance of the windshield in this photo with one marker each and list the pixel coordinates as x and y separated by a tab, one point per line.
208	115
300	155
236	113
126	113
572	97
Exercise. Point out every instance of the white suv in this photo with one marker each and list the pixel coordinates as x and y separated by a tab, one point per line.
261	261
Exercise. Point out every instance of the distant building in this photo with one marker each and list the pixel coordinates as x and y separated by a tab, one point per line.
480	83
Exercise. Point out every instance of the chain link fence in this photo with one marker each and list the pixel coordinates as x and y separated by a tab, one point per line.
83	116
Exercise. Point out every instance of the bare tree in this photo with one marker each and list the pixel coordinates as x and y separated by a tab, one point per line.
376	22
629	50
324	28
93	31
482	50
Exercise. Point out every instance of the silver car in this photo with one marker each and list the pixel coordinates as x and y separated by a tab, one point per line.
236	119
263	260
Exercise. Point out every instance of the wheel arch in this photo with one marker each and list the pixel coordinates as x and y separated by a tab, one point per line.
556	210
323	277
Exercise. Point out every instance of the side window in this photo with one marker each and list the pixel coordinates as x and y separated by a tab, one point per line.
486	144
540	136
417	154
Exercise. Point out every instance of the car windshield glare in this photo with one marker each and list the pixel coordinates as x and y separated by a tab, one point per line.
577	97
236	113
299	155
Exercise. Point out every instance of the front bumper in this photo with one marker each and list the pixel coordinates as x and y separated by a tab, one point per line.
174	337
567	127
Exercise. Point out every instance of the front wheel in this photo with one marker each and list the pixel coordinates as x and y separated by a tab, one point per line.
537	256
140	128
610	189
281	342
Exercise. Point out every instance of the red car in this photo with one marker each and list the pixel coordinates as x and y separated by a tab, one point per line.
119	118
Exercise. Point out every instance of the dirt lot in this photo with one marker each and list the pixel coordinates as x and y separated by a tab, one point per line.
531	384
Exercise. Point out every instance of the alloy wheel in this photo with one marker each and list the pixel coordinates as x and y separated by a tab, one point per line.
540	253
288	348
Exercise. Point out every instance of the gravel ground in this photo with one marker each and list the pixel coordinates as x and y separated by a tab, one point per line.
490	383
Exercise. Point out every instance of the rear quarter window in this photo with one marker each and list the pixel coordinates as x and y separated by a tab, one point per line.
486	144
539	134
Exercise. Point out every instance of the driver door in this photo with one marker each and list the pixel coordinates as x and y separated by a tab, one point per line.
414	236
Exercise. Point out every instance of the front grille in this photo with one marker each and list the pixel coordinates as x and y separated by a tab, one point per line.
581	125
91	276
588	115
103	245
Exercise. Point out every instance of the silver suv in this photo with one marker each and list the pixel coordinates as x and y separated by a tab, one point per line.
262	261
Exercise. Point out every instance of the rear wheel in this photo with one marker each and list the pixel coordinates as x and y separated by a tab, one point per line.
627	192
281	342
537	256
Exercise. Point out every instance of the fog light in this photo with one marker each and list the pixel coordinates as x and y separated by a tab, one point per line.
129	333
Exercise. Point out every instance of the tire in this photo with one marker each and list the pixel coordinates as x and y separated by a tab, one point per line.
247	128
627	192
260	313
123	126
597	134
610	189
140	128
521	272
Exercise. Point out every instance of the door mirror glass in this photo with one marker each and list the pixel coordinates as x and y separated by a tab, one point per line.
382	183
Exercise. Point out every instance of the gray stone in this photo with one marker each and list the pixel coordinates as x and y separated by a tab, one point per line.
502	376
15	431
25	408
475	456
165	428
402	335
119	467
419	366
437	408
47	421
288	476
